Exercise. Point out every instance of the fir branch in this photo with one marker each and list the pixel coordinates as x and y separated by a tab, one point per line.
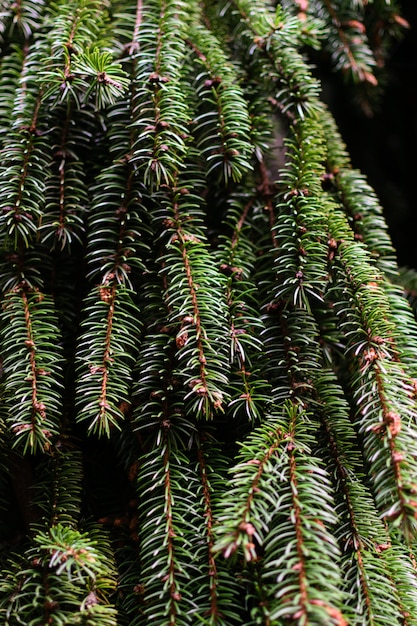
283	522
240	527
348	43
25	16
193	280
384	23
277	354
65	575
369	330
402	315
126	22
208	513
155	394
236	258
229	119
166	516
216	590
107	348
365	216
115	246
10	69
66	197
401	572
32	382
25	160
272	37
309	608
75	28
362	535
78	67
161	133
302	261
59	487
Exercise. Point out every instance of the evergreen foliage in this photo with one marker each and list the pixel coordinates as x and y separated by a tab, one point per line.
208	393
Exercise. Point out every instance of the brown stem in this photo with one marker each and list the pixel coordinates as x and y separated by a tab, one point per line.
107	294
243	524
175	596
301	567
208	512
38	407
200	385
361	73
138	20
69	45
27	152
356	537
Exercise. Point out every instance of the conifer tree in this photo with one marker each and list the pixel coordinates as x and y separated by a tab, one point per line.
208	401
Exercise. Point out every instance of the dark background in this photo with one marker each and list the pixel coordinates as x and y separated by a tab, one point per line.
384	146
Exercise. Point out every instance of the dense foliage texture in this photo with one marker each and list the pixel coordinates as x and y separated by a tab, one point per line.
209	369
